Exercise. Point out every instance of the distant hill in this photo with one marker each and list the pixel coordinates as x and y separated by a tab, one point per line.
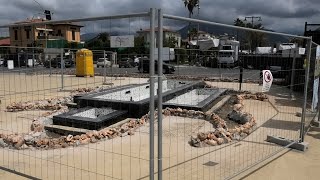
88	36
218	30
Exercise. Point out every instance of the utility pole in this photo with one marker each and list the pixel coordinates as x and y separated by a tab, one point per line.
198	54
198	5
252	19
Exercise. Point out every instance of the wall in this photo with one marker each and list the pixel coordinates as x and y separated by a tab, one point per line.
67	32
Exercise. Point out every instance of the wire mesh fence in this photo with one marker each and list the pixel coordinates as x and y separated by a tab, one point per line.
215	143
177	105
44	74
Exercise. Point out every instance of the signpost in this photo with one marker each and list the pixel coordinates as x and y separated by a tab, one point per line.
267	80
122	41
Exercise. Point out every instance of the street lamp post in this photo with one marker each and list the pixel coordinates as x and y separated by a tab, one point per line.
198	5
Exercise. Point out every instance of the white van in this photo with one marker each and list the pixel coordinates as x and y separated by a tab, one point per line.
228	55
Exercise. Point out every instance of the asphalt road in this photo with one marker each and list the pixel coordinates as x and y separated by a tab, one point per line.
180	70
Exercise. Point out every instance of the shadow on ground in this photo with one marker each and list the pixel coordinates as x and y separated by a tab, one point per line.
287	102
314	134
280	124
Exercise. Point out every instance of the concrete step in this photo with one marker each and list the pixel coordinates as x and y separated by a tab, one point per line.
65	130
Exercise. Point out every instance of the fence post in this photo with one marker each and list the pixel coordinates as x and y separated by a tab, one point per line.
104	67
160	74
307	69
293	73
241	75
62	66
19	66
151	105
318	104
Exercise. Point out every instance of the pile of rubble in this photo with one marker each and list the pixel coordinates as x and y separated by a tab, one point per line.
51	104
38	139
222	134
212	117
255	96
87	90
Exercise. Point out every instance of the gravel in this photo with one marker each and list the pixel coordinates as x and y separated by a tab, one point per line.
94	112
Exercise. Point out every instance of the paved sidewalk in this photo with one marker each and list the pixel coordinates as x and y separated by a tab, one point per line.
293	164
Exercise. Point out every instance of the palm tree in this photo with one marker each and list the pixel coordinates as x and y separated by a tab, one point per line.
190	4
254	39
239	22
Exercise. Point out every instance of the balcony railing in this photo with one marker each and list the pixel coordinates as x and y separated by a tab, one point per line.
50	37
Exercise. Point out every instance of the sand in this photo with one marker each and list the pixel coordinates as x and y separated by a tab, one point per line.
128	157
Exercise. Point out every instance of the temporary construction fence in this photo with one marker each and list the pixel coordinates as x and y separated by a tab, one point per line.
279	116
207	119
32	94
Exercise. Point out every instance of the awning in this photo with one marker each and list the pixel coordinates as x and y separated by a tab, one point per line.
205	44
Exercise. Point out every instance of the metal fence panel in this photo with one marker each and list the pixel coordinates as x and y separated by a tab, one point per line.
47	131
213	142
200	97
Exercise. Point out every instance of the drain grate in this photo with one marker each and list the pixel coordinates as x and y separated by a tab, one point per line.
210	163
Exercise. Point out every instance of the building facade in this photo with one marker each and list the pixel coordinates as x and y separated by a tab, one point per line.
46	36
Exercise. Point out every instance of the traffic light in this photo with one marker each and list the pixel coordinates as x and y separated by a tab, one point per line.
48	14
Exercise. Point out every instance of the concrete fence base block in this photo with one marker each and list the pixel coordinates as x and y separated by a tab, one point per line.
315	128
316	124
108	83
302	146
308	114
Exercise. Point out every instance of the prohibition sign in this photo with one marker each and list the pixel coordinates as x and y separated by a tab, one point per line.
267	76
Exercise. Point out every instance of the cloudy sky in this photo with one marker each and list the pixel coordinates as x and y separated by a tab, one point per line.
279	15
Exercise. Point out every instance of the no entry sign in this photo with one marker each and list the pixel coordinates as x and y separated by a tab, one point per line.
267	80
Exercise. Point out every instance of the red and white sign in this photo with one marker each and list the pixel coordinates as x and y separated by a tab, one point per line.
267	80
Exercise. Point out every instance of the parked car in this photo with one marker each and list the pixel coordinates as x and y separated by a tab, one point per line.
103	62
136	60
56	63
1	62
126	63
144	66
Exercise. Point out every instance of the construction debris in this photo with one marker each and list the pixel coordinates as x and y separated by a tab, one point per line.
221	134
